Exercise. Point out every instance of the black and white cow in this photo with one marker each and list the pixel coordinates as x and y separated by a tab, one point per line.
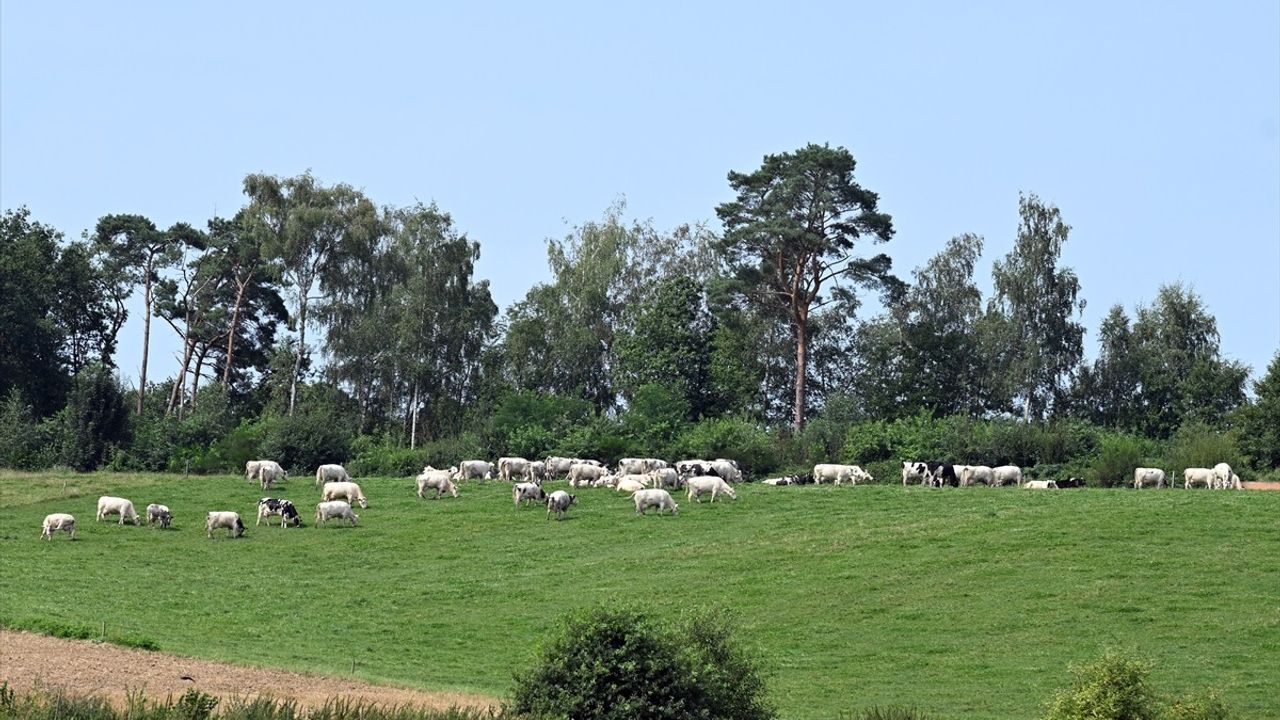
943	474
275	506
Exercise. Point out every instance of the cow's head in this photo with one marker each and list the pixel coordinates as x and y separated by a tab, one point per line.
239	528
363	503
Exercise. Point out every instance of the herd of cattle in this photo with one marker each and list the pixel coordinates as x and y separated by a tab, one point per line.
648	480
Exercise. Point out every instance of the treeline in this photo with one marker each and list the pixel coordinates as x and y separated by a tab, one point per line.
318	326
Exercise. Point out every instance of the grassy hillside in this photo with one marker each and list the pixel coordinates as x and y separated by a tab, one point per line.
969	603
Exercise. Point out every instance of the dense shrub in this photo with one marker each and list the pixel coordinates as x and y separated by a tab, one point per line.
730	438
94	420
1203	706
887	713
1198	445
24	443
611	663
1117	456
387	458
305	441
1112	688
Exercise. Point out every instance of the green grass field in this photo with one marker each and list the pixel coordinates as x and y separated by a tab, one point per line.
969	603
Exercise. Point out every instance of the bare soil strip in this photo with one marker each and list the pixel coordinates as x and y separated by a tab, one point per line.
84	667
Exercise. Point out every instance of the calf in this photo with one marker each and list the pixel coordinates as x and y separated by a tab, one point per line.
339	509
559	502
224	519
1041	485
268	507
55	522
915	471
941	473
1071	482
655	498
159	513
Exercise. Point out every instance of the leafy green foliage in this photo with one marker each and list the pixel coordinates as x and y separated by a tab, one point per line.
94	420
1259	422
1117	457
1198	445
733	438
617	663
1112	688
1206	705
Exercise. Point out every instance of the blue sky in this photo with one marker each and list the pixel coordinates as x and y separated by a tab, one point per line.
1154	126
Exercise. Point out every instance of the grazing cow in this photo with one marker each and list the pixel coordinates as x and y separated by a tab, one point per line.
655	497
512	466
830	472
1222	476
224	519
726	469
331	473
108	505
1041	485
973	474
558	502
268	507
665	478
639	466
941	473
1071	482
348	491
527	492
1147	476
584	474
1235	482
915	471
270	471
1192	477
55	522
699	486
438	480
159	513
338	509
1006	475
474	469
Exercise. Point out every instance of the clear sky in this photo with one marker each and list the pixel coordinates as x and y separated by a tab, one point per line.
1154	126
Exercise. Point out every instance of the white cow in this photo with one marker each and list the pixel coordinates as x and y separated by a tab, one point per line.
331	473
223	519
156	512
973	474
58	521
108	505
1006	475
559	502
348	491
1148	476
1192	477
1041	485
509	466
584	474
251	469
527	492
665	478
338	509
438	480
831	472
268	472
1222	476
726	469
699	486
656	498
915	471
639	466
630	483
473	469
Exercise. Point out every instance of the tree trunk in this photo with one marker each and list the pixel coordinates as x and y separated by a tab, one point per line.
302	347
146	335
413	428
235	326
195	375
802	358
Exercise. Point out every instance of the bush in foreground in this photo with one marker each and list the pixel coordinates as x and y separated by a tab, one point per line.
610	663
1115	688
